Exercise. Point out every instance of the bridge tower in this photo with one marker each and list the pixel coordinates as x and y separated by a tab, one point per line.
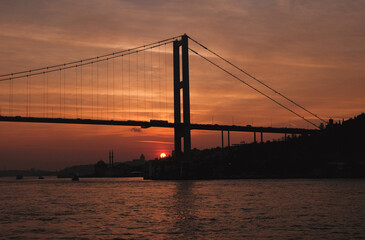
181	84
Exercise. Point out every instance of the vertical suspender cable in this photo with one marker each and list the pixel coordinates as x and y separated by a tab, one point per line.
123	90
64	93
44	94
60	82
27	97
166	114
97	89
77	110
81	89
12	97
107	89
47	95
159	80
92	90
9	98
152	100
113	93
129	85
137	86
144	83
30	95
27	108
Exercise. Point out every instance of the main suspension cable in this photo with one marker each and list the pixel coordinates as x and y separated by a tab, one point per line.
92	58
262	83
81	63
257	90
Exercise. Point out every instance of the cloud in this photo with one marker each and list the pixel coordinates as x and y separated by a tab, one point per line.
311	51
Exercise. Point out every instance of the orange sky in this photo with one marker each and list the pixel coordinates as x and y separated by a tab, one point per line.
311	51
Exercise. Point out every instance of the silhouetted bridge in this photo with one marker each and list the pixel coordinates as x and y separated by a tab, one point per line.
162	124
59	97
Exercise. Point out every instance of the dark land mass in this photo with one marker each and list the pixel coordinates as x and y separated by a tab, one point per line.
134	168
79	170
31	172
337	151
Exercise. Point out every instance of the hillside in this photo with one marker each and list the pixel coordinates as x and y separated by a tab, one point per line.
336	151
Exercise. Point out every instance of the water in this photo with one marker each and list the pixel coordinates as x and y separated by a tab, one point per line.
223	209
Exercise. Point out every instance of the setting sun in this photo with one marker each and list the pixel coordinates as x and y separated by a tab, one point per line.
162	155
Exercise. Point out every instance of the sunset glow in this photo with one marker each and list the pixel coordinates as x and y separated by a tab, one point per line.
209	119
310	51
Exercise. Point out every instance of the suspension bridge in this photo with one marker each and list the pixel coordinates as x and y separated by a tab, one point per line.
131	87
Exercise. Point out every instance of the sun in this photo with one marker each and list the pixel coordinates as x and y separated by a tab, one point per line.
162	155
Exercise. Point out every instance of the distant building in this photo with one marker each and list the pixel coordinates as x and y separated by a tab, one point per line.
138	162
100	168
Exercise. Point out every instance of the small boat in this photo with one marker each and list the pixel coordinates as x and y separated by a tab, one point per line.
19	176
40	177
75	178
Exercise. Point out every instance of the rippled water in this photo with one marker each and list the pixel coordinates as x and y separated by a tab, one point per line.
223	209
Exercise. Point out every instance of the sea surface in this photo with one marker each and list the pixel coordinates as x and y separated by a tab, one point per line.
131	208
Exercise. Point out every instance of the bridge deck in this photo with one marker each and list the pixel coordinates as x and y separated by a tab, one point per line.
158	123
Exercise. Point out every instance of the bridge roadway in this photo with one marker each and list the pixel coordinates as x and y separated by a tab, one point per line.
159	123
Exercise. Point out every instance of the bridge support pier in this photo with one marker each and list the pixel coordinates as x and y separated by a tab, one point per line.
262	138
228	139
182	127
222	139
